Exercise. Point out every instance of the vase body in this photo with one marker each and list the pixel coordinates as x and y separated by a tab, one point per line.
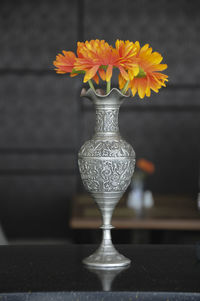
106	164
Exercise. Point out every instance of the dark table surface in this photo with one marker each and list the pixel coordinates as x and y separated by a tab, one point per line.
55	272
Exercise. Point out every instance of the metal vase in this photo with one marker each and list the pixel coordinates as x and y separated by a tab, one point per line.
106	164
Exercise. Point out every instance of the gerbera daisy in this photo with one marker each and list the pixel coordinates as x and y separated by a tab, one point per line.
64	63
94	56
126	52
149	78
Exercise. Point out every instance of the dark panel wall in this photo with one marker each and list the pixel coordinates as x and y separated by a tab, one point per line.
32	31
38	117
43	121
171	27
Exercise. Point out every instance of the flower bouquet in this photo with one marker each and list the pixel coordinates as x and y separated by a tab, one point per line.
139	67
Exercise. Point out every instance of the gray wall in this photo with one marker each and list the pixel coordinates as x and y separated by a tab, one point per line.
43	121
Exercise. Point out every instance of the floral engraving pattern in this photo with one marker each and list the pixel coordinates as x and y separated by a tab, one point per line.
106	175
107	120
106	148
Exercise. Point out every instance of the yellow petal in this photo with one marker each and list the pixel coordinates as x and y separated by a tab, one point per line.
137	44
124	73
90	73
141	88
156	58
148	90
159	67
144	48
134	90
121	81
109	73
102	74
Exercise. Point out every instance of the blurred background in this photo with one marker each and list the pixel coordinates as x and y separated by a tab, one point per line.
43	120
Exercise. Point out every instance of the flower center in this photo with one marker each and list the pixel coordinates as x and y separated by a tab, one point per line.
141	73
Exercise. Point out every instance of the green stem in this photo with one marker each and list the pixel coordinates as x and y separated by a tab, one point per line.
108	86
125	87
91	84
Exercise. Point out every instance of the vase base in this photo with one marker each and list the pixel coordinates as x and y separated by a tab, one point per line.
101	259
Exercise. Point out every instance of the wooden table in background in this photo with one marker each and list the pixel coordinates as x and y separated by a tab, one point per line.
168	213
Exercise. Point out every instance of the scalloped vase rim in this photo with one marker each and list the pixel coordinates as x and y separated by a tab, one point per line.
85	92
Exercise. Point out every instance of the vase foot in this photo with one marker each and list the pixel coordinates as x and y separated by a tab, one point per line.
104	258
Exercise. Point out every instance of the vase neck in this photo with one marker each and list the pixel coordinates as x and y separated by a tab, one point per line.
107	109
107	120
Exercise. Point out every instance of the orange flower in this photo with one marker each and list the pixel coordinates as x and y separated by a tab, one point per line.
126	51
94	56
149	78
64	63
146	165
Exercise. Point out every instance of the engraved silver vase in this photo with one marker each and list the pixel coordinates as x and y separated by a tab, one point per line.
106	164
